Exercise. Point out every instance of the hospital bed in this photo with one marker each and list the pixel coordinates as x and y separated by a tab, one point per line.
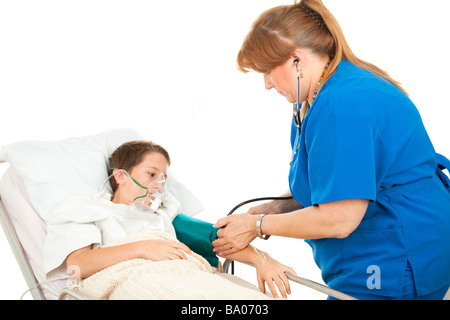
43	173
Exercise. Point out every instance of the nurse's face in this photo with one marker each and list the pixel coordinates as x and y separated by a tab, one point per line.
283	79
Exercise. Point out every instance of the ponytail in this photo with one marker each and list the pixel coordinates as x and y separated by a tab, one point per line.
277	32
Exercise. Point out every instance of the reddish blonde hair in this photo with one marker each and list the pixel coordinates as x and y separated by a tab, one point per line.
279	31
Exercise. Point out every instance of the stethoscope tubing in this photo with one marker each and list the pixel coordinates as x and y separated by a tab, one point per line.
255	200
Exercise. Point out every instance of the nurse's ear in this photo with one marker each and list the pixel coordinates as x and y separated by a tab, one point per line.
298	60
298	69
299	56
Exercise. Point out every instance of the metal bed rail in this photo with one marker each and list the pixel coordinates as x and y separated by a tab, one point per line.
303	281
19	254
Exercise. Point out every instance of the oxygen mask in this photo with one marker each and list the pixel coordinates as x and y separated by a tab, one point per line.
149	193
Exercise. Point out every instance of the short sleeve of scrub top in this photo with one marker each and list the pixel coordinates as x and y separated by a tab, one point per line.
341	158
346	157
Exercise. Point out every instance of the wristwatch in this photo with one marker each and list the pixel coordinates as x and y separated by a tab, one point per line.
258	228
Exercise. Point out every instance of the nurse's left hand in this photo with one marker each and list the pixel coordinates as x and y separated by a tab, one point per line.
237	232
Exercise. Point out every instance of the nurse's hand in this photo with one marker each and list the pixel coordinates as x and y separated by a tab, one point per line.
237	232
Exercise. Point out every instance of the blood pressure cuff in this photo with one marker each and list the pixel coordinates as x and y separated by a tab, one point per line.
197	235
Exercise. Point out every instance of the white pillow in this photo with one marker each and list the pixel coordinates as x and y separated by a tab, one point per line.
54	170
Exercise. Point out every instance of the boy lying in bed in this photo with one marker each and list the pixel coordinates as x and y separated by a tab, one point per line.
81	227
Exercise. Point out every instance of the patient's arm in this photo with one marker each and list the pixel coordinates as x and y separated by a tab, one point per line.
91	261
267	270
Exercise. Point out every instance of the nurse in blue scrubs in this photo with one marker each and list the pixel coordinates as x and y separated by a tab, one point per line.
369	193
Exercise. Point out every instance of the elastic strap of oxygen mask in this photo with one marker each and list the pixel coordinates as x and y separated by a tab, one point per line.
146	189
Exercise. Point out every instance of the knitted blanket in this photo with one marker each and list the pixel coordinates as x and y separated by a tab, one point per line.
191	278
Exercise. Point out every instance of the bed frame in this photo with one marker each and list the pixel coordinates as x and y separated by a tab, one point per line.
24	264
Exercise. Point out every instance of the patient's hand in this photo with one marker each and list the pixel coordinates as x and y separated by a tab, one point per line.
158	250
270	271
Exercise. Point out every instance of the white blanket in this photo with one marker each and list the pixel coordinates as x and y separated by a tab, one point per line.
81	220
191	278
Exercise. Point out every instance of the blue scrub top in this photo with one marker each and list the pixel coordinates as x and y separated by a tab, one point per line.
364	139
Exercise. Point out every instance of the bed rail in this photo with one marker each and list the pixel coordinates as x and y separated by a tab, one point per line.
303	281
70	293
17	249
306	282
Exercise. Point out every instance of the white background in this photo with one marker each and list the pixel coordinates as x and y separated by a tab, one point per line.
168	69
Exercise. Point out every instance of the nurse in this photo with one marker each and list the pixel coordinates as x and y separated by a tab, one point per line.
369	194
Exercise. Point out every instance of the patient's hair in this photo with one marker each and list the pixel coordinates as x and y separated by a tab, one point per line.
130	154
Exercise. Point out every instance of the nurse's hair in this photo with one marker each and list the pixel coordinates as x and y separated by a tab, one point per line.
130	154
279	31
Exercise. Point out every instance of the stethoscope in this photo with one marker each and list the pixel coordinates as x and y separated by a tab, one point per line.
297	107
254	200
298	123
257	199
306	282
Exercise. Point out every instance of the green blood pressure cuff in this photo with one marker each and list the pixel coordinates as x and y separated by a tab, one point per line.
197	235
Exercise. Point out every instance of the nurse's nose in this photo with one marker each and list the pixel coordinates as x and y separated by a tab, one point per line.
268	83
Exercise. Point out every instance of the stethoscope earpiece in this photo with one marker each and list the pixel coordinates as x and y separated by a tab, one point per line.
297	67
297	119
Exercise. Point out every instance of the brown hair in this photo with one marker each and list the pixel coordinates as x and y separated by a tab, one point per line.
279	31
130	154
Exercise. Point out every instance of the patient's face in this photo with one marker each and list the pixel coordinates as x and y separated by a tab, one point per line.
153	164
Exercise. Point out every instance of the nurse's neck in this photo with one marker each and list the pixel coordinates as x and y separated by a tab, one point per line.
313	71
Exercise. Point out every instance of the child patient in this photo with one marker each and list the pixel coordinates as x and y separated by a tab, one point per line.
81	227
